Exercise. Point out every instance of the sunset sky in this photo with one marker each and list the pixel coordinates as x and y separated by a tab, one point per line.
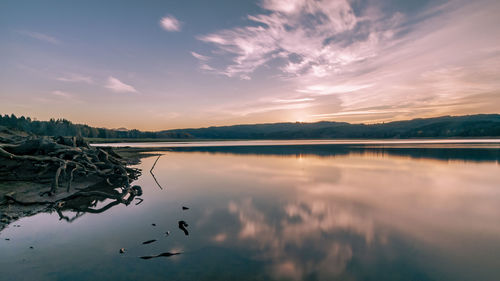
155	65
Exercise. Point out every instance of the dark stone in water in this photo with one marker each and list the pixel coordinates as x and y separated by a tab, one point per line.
166	254
149	241
182	226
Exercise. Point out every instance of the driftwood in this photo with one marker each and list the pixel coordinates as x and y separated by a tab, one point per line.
61	161
46	174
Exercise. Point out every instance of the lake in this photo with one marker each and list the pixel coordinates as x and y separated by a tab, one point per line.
306	210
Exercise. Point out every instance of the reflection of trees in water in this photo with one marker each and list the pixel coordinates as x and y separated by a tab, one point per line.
446	152
86	201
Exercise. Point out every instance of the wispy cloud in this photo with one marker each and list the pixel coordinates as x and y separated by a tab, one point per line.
41	37
73	77
170	23
118	86
264	106
325	89
292	100
200	56
203	62
204	66
419	63
61	94
309	36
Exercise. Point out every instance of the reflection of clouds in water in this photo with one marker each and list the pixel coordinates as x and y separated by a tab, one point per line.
312	218
306	229
221	237
253	222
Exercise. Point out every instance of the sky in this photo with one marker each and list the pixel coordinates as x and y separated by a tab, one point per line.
155	65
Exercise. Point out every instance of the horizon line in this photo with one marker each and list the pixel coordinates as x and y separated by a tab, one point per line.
253	124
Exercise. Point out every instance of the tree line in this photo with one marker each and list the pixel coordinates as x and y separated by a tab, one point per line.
63	127
480	125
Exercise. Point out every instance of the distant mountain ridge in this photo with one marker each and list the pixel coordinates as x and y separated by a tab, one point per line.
467	126
481	125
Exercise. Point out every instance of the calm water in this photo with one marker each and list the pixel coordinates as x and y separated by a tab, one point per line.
488	142
294	212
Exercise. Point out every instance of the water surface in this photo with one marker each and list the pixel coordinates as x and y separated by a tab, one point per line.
253	143
295	212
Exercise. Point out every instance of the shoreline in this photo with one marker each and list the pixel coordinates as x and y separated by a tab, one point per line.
94	141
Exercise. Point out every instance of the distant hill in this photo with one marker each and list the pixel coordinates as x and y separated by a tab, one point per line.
481	125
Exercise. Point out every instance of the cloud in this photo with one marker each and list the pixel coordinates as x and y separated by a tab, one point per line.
324	89
206	67
366	112
61	94
41	37
299	33
170	23
292	100
72	77
118	86
425	62
203	65
60	97
199	56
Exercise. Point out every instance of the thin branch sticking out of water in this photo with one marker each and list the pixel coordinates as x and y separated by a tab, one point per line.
151	171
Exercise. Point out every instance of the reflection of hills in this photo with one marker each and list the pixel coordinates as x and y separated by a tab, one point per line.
444	152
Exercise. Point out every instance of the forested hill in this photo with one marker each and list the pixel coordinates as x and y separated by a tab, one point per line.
481	125
63	127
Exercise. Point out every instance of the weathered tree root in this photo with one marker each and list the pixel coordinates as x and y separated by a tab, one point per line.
61	161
